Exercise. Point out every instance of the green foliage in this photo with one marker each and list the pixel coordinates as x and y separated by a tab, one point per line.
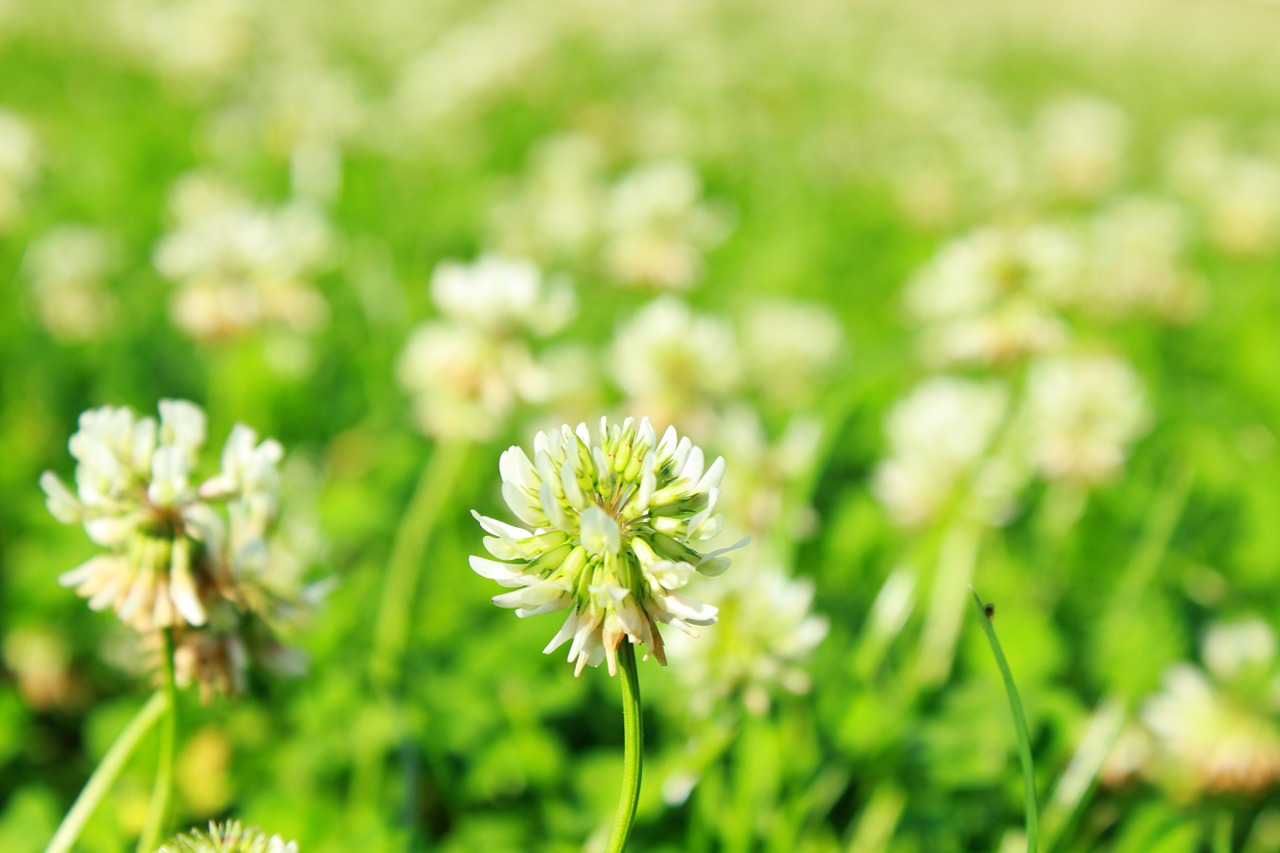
845	146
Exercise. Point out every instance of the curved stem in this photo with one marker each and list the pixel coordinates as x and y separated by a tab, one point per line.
162	793
633	749
106	773
1019	726
391	626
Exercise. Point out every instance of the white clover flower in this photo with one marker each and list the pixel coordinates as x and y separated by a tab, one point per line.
19	166
940	444
1217	734
982	298
762	494
555	210
240	267
1080	144
657	226
499	295
67	270
1082	414
792	347
673	362
615	521
193	42
229	837
171	554
762	644
468	65
467	372
1134	264
1237	650
1243	207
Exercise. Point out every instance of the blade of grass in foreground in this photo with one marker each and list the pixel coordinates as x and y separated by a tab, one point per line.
1019	725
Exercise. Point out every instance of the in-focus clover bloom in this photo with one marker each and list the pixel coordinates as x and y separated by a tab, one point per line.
172	555
229	837
615	520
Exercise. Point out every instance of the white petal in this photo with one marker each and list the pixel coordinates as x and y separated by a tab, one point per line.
62	504
711	479
599	532
562	636
182	586
504	573
689	609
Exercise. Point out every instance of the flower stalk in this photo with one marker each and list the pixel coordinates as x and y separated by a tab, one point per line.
107	772
162	793
633	749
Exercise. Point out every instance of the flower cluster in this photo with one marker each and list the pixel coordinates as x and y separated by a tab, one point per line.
67	269
19	165
241	267
467	371
181	555
766	634
616	518
648	228
229	837
1215	732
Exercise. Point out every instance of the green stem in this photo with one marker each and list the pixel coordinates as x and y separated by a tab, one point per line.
106	773
957	559
1222	832
1019	727
391	626
162	793
633	749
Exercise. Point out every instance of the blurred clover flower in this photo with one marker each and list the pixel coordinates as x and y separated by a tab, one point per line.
615	519
194	43
467	371
1215	732
1080	144
940	437
241	267
67	270
674	363
1082	414
19	166
795	347
175	559
766	633
554	212
229	837
982	297
656	226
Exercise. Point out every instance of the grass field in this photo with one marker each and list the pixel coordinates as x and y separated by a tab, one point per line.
964	293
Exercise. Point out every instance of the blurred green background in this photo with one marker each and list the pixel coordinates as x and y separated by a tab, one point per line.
964	292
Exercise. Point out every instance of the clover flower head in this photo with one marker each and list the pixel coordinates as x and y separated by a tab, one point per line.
67	269
229	837
983	298
19	165
1081	143
615	517
940	435
554	212
657	226
240	266
1083	413
171	554
670	360
498	294
765	637
1136	266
